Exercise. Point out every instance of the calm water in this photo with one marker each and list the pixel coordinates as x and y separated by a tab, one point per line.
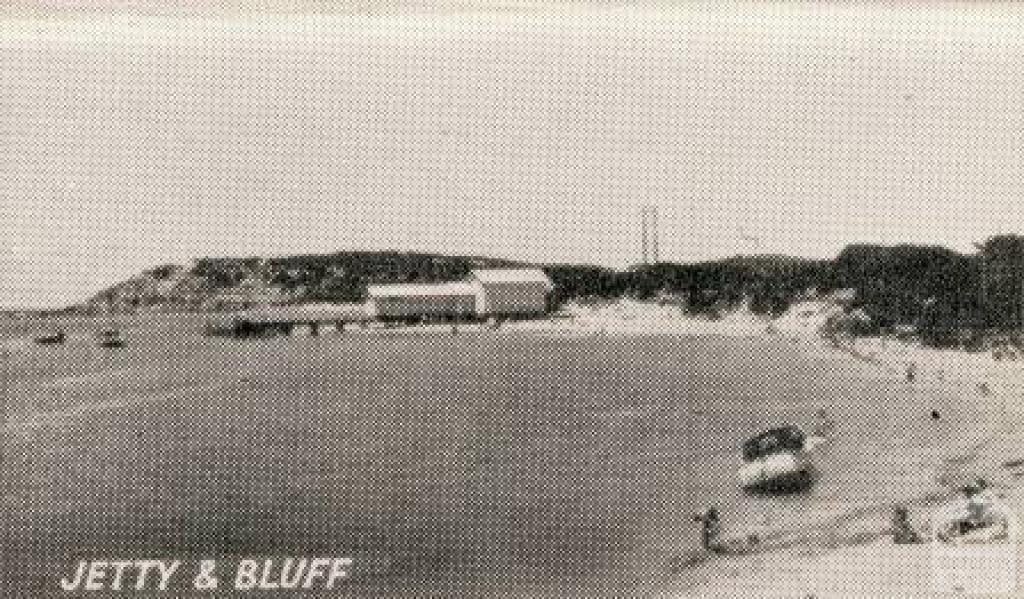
473	465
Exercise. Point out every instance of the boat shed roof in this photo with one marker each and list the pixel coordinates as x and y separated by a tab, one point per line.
511	275
414	290
305	313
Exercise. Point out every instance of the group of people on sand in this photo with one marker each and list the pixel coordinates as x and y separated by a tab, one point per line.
979	523
911	375
978	520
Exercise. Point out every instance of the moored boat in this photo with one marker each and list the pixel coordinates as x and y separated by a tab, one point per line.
111	338
54	338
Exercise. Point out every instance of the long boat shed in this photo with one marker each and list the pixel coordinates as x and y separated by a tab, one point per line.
486	293
414	302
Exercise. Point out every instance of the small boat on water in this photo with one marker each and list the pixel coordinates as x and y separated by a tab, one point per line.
54	338
111	338
776	460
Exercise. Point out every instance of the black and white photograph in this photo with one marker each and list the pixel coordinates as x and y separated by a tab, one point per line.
580	299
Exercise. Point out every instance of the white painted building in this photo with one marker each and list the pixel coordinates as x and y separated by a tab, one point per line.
500	293
443	301
515	292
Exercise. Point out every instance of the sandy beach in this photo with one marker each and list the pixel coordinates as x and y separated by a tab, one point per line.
835	543
848	552
843	551
852	553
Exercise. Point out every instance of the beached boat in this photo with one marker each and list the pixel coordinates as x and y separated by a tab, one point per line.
111	338
776	460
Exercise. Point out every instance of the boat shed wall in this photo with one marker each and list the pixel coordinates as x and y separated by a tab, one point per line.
447	300
512	292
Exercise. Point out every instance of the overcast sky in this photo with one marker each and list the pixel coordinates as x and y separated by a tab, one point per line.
154	132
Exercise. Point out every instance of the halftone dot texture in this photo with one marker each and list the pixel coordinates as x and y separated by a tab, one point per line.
558	459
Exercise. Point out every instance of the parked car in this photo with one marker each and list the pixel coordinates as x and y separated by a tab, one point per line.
776	460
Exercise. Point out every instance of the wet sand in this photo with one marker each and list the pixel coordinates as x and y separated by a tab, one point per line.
479	464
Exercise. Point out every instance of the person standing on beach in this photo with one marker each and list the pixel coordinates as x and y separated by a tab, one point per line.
711	530
902	532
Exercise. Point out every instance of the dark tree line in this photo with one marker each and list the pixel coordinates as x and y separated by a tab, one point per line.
944	296
769	283
342	276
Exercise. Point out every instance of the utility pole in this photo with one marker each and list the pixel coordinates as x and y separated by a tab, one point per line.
649	234
643	234
654	234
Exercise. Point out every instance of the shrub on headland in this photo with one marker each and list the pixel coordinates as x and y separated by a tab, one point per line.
945	297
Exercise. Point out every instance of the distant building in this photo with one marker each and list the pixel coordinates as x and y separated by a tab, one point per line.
500	293
408	302
487	293
511	292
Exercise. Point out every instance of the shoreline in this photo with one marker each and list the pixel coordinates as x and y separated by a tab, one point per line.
849	551
854	554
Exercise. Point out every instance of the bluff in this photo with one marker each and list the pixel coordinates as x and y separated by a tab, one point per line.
211	284
945	296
